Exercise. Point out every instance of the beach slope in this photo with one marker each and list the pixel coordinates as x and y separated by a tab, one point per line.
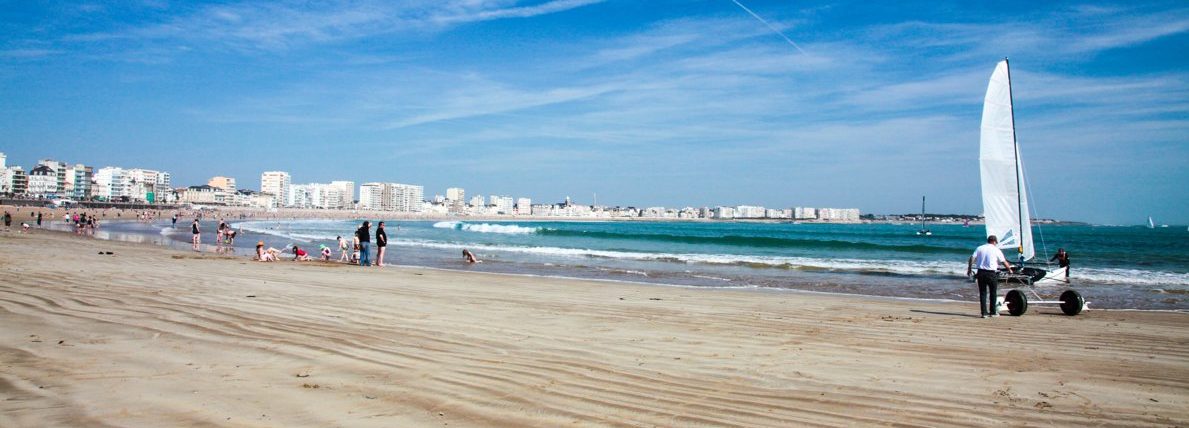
153	337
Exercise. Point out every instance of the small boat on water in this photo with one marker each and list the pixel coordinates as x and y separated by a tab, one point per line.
923	231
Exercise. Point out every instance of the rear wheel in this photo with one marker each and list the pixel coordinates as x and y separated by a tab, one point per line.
1072	302
1017	303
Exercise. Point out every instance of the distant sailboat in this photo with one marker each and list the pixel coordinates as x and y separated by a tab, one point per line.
924	231
1151	224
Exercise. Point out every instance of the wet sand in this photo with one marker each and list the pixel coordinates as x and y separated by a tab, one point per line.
148	336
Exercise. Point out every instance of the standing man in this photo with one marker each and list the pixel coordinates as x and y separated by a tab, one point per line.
1062	259
381	243
174	224
7	221
197	234
39	220
364	234
987	258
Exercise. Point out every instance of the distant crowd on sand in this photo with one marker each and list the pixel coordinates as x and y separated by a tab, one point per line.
357	252
84	223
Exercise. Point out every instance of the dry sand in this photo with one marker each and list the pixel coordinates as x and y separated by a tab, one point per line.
154	337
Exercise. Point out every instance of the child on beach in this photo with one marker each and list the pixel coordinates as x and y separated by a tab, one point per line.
265	256
300	255
325	253
344	255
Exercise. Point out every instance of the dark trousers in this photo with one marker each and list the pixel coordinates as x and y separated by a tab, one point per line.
988	291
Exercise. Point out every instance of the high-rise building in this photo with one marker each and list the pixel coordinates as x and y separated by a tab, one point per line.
227	184
340	195
503	204
112	183
371	196
277	183
457	199
524	206
3	161
14	181
79	181
407	197
59	169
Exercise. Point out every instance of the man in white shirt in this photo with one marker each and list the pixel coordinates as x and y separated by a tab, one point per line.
987	258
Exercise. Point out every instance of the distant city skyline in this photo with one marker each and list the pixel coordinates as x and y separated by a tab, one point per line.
666	103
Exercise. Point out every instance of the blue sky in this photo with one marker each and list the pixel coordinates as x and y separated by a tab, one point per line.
645	103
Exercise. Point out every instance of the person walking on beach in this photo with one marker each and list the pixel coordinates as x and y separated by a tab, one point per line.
344	251
194	229
1062	259
987	257
174	223
7	221
381	243
364	234
39	220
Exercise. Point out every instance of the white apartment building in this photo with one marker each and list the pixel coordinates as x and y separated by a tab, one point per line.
277	183
804	213
457	199
79	182
503	204
112	183
371	196
149	185
59	169
839	214
524	206
407	197
43	181
749	211
723	213
14	181
340	195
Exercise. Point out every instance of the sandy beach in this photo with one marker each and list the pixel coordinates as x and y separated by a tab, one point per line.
148	336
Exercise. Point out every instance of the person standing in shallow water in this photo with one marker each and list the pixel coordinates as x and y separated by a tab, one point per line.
381	244
987	257
1062	259
194	229
364	234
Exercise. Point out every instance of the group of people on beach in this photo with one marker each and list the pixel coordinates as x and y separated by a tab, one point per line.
987	258
357	252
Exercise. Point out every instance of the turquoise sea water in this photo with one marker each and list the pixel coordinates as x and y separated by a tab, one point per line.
1114	267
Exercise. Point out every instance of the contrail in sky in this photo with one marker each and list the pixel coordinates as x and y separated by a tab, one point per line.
786	38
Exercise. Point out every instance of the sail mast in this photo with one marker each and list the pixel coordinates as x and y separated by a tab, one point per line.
1016	145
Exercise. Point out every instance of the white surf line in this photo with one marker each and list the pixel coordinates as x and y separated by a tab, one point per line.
770	26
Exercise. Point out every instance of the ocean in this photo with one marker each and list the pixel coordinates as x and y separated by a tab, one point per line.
1121	267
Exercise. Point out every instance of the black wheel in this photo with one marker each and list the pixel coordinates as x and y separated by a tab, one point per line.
1072	302
1017	303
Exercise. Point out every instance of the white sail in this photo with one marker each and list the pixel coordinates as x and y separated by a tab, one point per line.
1005	201
1151	224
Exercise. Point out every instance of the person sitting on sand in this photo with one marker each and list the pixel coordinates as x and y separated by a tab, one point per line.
264	256
470	257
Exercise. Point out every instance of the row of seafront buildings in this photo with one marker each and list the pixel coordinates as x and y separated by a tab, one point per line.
51	179
55	179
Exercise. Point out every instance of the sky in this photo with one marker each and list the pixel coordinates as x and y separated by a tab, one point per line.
844	104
